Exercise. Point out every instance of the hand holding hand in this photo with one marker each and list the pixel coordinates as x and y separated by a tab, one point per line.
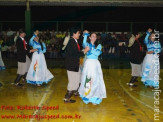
150	30
85	32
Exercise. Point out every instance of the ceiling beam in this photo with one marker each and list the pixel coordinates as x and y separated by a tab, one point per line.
125	3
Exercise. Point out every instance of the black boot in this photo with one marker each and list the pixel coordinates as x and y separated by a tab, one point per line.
131	83
68	95
17	80
24	77
135	79
76	93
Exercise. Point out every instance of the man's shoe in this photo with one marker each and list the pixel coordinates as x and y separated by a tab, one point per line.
18	84
69	101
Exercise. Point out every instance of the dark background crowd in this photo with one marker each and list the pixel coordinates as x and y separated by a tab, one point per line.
114	43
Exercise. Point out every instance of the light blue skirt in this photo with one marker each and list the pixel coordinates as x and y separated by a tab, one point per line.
151	70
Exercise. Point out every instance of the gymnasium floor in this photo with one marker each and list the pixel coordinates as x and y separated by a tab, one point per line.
123	104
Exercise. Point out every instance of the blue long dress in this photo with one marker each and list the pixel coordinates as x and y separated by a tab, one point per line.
38	72
92	88
151	64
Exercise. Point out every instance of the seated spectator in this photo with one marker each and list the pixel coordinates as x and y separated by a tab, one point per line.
62	35
1	41
48	34
54	51
59	35
52	40
10	32
53	34
103	36
114	35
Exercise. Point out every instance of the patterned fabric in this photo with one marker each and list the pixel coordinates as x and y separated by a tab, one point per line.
34	68
38	72
152	46
87	85
92	88
149	71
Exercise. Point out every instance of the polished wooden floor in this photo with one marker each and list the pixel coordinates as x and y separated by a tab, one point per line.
123	104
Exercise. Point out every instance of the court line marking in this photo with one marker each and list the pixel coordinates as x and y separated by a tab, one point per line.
149	96
136	98
41	102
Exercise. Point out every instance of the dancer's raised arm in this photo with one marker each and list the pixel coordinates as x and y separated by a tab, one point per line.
146	40
31	42
85	34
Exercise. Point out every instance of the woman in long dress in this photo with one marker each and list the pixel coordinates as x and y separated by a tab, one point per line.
38	72
151	64
92	88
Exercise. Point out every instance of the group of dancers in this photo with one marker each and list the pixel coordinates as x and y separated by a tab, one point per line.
87	83
86	79
148	67
92	89
35	71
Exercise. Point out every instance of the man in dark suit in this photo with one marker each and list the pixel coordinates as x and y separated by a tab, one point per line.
136	58
73	54
23	50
